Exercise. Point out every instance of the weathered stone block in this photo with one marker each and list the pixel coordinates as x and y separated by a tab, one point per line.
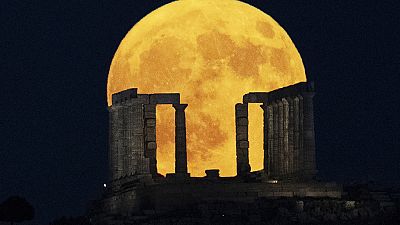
150	115
173	98
150	108
151	145
149	129
240	152
241	129
250	98
243	144
138	101
242	121
242	137
241	110
242	155
150	153
255	97
150	136
144	99
151	122
241	114
284	194
137	131
124	96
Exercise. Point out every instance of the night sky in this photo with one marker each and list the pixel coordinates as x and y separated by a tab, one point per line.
55	57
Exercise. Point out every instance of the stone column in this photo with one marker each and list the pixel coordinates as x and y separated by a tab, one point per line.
180	139
286	155
119	142
296	141
126	153
267	155
150	137
242	143
285	147
301	139
275	138
113	143
309	135
280	139
291	136
134	139
270	133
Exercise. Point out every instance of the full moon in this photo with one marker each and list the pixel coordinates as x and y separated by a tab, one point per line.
212	52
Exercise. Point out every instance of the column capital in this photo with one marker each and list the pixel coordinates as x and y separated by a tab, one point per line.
239	105
264	106
300	97
180	107
308	94
290	98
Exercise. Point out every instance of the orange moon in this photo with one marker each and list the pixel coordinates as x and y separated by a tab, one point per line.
211	52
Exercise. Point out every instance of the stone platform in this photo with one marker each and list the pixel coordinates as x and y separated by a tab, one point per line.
135	197
169	195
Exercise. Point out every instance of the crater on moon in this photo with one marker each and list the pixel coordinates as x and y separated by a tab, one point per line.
265	29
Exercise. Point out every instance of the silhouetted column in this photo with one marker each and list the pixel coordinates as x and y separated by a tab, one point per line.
267	155
301	140
280	138
309	135
270	136
242	143
180	139
275	141
291	155
296	142
150	137
285	146
115	172
119	141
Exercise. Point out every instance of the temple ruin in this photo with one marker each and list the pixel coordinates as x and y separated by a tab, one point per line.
133	144
289	139
289	155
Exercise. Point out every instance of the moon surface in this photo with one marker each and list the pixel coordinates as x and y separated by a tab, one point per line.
212	52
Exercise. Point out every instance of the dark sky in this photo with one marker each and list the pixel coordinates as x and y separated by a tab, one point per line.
54	63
